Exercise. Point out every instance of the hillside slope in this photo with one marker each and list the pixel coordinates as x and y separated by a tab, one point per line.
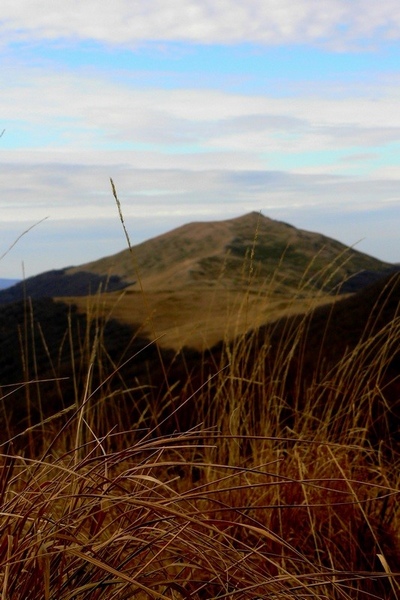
236	253
331	358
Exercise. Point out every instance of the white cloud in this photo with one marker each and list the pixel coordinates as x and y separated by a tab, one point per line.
33	191
338	23
76	111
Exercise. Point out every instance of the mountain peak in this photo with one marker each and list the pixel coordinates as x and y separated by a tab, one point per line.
249	249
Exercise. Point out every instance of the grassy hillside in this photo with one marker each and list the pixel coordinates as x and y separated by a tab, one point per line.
199	318
249	252
233	252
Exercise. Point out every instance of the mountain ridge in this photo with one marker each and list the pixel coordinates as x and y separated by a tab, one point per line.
237	252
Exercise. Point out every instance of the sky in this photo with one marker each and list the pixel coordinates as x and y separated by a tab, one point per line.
199	110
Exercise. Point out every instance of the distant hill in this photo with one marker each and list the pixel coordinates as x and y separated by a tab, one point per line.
60	282
6	283
236	253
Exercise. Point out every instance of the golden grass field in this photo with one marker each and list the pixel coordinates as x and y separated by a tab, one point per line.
245	504
197	318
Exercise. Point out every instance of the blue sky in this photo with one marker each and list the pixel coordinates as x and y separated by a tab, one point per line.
198	110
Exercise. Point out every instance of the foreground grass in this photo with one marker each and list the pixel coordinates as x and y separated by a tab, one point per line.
221	511
157	521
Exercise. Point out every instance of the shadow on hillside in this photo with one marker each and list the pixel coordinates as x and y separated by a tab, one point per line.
46	349
315	365
341	356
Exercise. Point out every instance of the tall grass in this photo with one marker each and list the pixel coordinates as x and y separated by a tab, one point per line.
243	475
163	519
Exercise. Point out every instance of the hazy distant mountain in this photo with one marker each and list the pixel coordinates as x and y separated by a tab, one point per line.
60	283
6	283
238	252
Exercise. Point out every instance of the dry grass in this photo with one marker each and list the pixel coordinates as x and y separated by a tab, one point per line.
248	504
199	318
161	519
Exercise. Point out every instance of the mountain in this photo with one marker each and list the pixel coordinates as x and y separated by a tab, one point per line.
244	252
6	283
60	282
238	252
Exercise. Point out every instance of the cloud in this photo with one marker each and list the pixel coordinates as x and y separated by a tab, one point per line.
33	191
335	23
200	128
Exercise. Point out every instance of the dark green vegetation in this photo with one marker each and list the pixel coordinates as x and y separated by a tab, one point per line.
265	466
